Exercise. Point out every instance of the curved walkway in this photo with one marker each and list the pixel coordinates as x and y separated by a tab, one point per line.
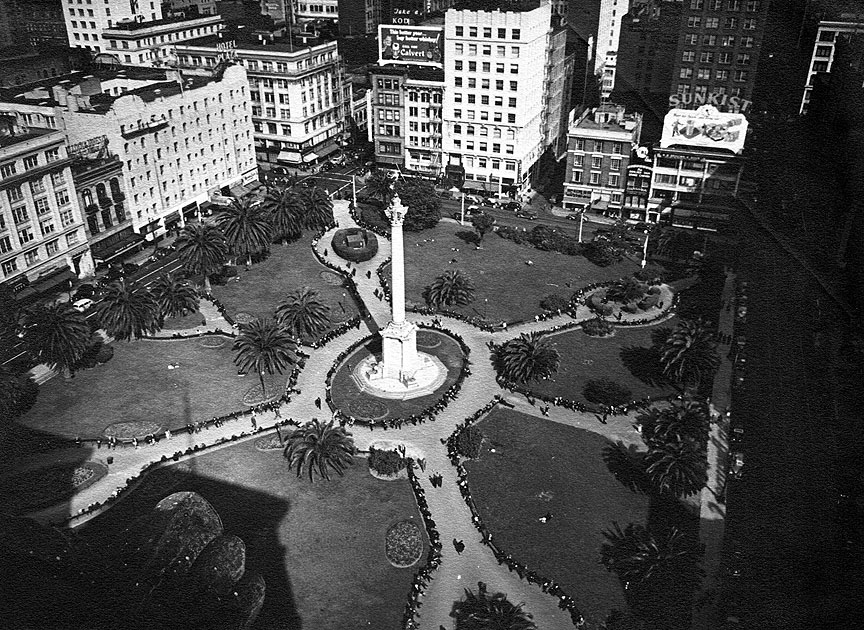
451	514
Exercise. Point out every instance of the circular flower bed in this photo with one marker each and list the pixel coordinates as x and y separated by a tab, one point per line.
404	544
125	431
426	339
355	244
34	489
368	409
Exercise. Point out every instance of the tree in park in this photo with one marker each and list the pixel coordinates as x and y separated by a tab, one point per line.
319	447
678	469
57	335
303	313
528	357
264	346
686	420
246	227
636	556
319	209
380	186
203	250
128	310
286	210
174	297
424	207
601	253
17	391
482	611
626	290
689	354
482	223
452	288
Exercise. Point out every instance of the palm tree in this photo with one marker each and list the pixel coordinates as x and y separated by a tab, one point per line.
246	227
264	345
481	611
689	354
626	290
636	556
303	313
318	447
174	297
685	420
678	469
380	185
128	310
15	392
482	223
57	335
203	250
287	210
319	209
525	358
452	288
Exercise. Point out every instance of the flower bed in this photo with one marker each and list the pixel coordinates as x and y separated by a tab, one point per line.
403	544
344	250
270	442
124	431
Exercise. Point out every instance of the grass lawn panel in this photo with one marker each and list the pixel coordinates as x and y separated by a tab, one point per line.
347	397
320	546
535	456
189	320
499	271
136	385
585	358
260	290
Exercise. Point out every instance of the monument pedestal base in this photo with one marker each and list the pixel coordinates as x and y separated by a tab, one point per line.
399	350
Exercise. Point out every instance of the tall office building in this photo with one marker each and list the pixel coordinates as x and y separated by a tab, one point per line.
822	58
85	22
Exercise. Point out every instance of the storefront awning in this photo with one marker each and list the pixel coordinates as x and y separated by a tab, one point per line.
47	283
310	157
292	157
325	151
109	251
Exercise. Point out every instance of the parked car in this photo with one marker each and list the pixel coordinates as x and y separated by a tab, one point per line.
574	216
526	214
474	199
736	467
82	305
512	206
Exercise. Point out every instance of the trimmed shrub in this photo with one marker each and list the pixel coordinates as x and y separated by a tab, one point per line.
355	254
373	214
605	392
630	308
654	290
597	327
554	302
385	462
469	441
652	274
649	301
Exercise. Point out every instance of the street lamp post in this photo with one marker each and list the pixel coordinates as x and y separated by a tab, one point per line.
581	218
455	190
354	190
645	250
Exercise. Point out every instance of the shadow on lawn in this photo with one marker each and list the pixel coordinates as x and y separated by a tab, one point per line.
644	364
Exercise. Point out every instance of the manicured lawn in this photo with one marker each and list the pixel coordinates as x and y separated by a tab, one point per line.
136	385
320	546
259	290
190	320
347	397
541	467
499	271
624	358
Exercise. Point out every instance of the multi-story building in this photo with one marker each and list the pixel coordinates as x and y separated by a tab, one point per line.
495	105
697	167
295	88
822	58
85	22
152	43
98	178
636	191
308	10
192	8
557	89
405	117
42	238
25	64
606	46
361	17
599	145
358	119
180	139
43	21
279	10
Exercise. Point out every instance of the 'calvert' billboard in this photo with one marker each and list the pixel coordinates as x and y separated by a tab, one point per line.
422	45
705	127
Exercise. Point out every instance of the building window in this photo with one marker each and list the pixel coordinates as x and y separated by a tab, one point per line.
52	154
614	180
712	22
724	58
704	73
30	162
688	55
742	75
595	177
706	57
827	36
25	235
694	21
66	217
58	179
596	161
750	24
743	59
722	75
685	73
577	177
615	164
42	207
731	23
71	239
9	267
460	31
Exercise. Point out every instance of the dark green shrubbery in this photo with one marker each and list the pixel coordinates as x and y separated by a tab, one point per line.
372	212
651	273
597	327
601	253
385	462
604	392
542	237
596	304
362	254
469	441
98	352
554	302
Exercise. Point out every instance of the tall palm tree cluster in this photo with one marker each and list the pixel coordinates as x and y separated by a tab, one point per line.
528	357
689	355
637	555
482	611
452	288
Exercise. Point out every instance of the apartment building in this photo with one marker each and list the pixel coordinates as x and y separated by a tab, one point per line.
295	87
85	21
599	145
191	8
308	10
636	195
822	58
42	237
180	140
557	90
151	43
611	15
494	113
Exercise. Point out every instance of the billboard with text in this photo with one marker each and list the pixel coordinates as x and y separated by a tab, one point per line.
705	127
422	45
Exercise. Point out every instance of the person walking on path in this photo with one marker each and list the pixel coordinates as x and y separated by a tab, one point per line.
459	546
318	402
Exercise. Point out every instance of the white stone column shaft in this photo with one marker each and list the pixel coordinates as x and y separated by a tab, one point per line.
397	271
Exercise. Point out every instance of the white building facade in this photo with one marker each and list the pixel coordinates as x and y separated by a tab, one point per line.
86	21
152	43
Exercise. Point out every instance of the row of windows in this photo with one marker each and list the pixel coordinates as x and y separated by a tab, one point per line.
482	162
32	256
751	6
498	117
686	88
486	84
501	33
598	146
424	97
597	162
168	37
483	146
742	59
720	75
485	66
486	51
30	162
613	181
484	99
726	41
730	23
16	193
482	130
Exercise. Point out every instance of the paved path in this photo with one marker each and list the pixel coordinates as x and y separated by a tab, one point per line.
451	514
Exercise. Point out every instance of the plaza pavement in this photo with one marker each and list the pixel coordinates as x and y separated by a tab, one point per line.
448	509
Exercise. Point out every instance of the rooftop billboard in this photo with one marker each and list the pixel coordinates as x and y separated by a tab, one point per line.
706	128
419	45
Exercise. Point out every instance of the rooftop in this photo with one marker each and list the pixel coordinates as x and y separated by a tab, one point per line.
249	39
417	73
140	26
16	138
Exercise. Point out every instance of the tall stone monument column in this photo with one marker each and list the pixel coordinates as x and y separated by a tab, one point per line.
399	337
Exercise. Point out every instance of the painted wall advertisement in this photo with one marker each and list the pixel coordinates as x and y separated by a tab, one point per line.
423	45
705	127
